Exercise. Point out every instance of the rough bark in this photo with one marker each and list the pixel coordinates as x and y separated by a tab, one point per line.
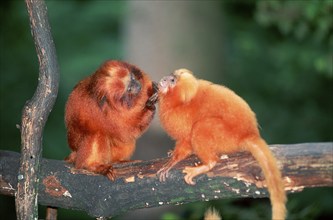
35	112
303	166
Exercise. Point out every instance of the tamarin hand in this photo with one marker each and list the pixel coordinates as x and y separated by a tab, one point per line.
105	114
208	120
154	98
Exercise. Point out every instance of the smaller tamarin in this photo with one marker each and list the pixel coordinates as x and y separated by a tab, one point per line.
208	120
105	114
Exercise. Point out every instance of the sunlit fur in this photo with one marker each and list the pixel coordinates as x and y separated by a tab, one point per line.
209	120
212	214
105	115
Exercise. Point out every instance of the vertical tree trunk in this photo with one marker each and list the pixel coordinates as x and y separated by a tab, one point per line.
36	111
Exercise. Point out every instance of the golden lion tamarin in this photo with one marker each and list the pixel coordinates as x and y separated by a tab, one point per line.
208	120
105	114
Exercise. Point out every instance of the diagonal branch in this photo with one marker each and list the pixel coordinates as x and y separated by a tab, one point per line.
303	166
36	111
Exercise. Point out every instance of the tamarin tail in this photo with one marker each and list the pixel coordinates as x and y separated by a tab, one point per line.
261	152
212	214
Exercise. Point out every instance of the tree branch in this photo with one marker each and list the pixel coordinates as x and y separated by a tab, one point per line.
36	111
238	175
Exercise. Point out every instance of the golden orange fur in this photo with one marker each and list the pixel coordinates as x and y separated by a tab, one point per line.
212	214
208	120
105	114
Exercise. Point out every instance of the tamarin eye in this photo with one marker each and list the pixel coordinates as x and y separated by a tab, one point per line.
173	81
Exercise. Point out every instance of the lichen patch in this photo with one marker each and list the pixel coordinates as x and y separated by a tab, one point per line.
54	188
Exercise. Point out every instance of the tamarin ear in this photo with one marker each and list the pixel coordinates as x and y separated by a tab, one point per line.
187	85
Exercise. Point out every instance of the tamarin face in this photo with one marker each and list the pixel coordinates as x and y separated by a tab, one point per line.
126	82
131	90
166	83
169	82
181	83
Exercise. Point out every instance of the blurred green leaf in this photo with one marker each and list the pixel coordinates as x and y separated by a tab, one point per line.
170	216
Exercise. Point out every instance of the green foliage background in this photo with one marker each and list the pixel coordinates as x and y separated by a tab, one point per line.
278	56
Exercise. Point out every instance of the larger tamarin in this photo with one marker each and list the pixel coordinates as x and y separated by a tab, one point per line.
105	114
208	120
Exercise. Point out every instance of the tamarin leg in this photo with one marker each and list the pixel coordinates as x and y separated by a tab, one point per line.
74	140
192	172
121	152
71	157
182	150
206	143
94	155
74	137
